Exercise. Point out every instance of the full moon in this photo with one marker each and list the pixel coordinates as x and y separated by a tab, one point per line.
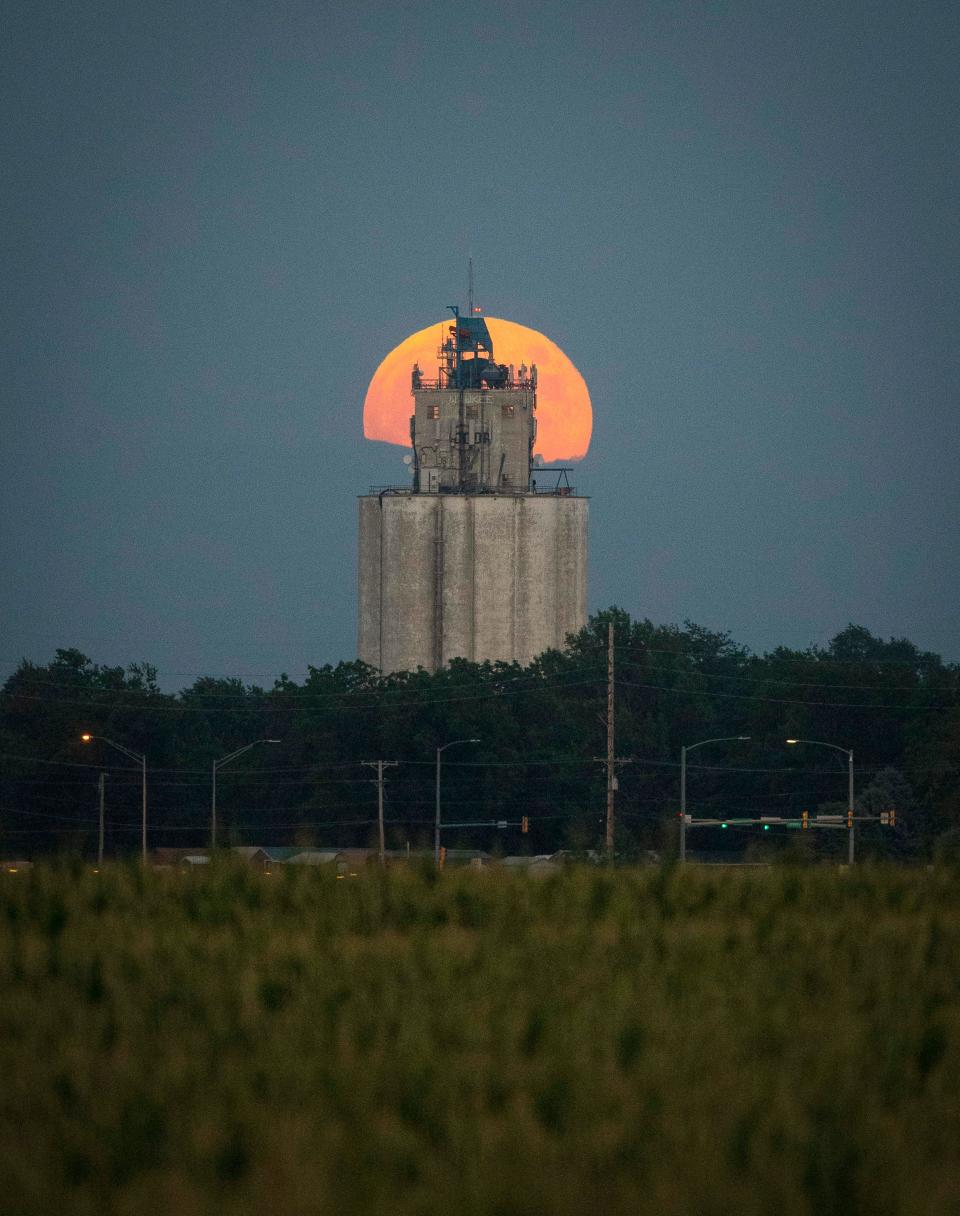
564	413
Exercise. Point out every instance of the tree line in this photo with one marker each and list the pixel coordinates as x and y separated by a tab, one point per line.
541	731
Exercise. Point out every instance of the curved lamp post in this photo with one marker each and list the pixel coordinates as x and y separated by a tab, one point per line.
683	782
218	764
436	825
848	752
142	760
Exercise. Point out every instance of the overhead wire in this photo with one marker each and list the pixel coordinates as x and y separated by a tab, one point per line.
814	659
385	704
763	679
387	701
734	696
254	775
382	685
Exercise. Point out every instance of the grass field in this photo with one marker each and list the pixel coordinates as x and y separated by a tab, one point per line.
769	1041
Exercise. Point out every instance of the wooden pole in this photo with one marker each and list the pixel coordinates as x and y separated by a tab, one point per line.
611	744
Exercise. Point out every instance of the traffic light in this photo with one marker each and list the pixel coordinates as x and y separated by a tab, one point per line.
804	820
723	825
525	824
443	855
888	818
850	817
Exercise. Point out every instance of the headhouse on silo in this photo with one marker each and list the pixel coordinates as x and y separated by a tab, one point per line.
484	556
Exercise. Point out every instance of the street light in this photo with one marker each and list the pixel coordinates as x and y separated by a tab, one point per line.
436	826
143	781
218	764
683	782
848	752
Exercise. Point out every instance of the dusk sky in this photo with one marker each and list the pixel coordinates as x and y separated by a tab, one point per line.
739	221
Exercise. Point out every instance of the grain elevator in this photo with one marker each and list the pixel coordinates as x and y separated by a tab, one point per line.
484	555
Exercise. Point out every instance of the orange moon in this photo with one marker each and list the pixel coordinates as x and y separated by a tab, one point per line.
564	412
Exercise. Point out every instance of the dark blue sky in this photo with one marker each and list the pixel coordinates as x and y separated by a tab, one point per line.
739	220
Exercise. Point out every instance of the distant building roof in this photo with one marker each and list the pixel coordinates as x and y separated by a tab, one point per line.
283	852
171	856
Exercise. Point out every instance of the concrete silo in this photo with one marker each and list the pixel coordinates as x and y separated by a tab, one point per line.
484	556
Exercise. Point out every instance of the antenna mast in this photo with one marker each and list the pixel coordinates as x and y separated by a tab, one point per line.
470	286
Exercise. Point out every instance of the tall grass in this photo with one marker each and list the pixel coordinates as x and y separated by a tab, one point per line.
652	1041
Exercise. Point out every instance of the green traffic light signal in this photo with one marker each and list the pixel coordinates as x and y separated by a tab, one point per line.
723	825
766	827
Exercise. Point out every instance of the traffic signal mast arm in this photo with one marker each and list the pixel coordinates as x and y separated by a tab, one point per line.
887	818
523	824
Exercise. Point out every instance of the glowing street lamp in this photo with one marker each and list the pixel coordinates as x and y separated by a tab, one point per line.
142	760
848	752
683	783
218	764
436	826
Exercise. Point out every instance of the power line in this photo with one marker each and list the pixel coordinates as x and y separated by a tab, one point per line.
253	775
158	769
386	703
299	692
734	696
707	675
814	659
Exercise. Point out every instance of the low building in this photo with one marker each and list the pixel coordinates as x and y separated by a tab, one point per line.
315	857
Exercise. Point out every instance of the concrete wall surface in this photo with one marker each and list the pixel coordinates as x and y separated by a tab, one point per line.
499	426
443	576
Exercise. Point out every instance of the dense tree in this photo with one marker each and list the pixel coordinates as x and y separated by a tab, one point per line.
541	730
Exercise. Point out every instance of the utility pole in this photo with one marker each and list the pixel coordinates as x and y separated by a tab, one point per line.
143	809
683	804
101	782
380	765
611	745
612	759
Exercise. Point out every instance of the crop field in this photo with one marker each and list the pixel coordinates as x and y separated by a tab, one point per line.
765	1041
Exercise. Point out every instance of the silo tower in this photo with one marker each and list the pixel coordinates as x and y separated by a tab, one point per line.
484	556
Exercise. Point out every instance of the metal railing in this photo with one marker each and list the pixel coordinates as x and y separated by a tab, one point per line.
554	491
513	386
